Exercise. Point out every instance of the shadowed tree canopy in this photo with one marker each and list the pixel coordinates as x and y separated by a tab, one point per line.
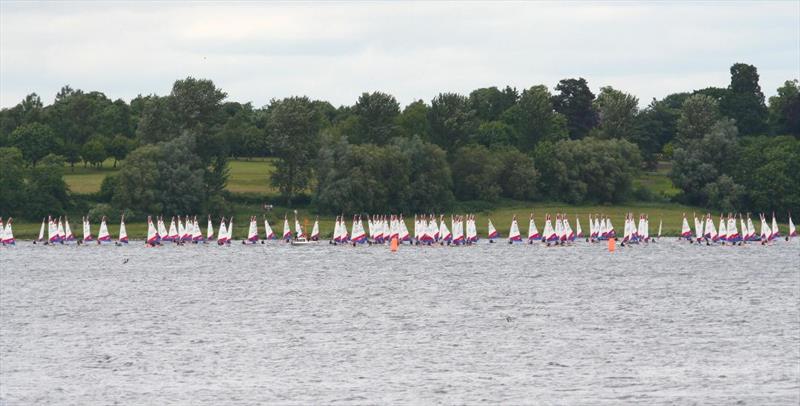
376	118
699	113
293	130
534	119
452	121
414	120
35	141
490	102
744	101
575	101
617	113
784	109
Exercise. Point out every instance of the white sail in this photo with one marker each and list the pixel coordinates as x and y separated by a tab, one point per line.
733	233
513	231
533	232
61	234
751	229
287	232
41	232
775	231
7	233
549	232
660	223
268	233
152	233
723	231
698	229
491	231
686	232
68	236
123	231
578	230
223	232
87	230
162	229
792	229
252	231
315	230
103	235
766	231
610	228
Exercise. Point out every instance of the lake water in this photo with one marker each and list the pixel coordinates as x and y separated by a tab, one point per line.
664	323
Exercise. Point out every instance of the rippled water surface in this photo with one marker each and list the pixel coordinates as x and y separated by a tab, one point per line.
664	323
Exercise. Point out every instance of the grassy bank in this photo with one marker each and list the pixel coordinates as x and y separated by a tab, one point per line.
251	177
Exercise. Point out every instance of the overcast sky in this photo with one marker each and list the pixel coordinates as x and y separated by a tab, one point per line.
334	51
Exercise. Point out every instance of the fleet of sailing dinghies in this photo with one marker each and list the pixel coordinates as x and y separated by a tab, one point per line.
730	229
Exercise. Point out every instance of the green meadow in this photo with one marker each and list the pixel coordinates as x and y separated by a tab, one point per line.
251	176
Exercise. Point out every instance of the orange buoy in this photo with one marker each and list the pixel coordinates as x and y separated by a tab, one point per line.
611	245
394	244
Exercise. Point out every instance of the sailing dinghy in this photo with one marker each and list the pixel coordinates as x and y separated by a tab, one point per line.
513	231
7	233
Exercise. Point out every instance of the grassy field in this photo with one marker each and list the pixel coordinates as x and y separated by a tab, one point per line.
657	181
85	180
246	176
252	176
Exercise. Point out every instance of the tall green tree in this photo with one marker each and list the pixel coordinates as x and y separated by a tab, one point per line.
157	123
699	114
534	118
293	132
35	140
700	162
490	102
45	189
575	101
784	109
414	121
587	170
476	172
376	118
768	168
430	180
119	147
12	182
617	112
164	178
495	133
94	152
452	121
745	100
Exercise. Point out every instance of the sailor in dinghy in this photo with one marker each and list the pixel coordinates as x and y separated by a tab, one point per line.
87	231
776	233
252	232
287	232
152	234
513	231
492	232
315	230
7	233
533	232
550	236
268	233
103	236
222	239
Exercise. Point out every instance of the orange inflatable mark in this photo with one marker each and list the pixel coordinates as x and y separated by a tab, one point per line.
611	245
394	244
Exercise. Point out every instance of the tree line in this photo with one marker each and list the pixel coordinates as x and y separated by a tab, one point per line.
729	148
